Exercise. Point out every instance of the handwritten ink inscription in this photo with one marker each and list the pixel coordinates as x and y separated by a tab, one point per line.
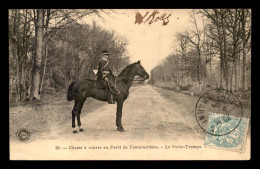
153	17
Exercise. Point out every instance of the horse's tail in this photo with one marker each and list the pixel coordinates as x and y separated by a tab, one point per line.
70	94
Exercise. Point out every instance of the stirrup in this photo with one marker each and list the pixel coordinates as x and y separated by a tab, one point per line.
110	100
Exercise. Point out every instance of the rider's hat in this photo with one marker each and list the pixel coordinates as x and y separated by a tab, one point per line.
105	52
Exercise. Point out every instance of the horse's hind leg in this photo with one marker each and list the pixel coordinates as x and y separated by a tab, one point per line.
76	112
81	103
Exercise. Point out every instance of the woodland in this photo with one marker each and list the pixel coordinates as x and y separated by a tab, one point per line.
50	48
214	53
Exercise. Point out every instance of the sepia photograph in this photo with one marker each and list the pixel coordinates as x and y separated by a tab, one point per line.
129	84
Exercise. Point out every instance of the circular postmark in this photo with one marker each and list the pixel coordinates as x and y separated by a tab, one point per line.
23	135
218	112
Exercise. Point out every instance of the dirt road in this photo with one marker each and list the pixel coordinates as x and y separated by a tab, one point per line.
149	113
151	116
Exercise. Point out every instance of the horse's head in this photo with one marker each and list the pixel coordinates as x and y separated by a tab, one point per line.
140	71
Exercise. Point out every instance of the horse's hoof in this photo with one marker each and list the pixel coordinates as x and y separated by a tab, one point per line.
75	131
120	129
81	129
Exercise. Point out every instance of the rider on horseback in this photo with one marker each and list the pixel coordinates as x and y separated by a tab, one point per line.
105	75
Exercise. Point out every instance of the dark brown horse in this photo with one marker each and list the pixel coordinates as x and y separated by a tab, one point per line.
82	89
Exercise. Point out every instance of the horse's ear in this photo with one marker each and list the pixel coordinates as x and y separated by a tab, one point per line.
138	61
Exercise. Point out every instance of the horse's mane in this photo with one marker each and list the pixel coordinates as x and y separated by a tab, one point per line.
126	70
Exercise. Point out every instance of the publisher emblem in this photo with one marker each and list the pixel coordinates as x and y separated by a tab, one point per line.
23	135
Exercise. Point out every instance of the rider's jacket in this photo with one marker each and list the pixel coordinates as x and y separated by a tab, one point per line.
103	67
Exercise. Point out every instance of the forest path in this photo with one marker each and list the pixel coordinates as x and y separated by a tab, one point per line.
151	116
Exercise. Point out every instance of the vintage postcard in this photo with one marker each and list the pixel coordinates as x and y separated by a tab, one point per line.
130	84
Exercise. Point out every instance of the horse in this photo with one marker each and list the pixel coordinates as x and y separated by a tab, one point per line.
80	90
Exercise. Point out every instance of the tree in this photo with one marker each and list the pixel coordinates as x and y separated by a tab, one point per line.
197	40
213	50
76	49
45	27
183	42
29	63
38	55
230	32
246	34
20	34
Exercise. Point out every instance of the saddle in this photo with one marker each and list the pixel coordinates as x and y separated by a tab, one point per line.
100	85
109	86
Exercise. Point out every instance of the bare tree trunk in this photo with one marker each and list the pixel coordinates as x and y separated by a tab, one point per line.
182	72
38	56
24	55
244	86
225	64
44	68
11	70
15	53
22	81
221	72
239	73
231	89
235	74
199	70
249	77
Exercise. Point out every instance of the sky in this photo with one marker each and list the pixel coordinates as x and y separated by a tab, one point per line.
150	43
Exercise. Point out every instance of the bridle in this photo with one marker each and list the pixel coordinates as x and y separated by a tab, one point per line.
135	79
139	79
117	78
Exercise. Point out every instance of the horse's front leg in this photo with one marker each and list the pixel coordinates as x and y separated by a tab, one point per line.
119	116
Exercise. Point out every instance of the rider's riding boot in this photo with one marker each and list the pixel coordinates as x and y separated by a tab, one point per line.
110	98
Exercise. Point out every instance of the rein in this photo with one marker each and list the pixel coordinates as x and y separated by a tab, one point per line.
139	79
115	92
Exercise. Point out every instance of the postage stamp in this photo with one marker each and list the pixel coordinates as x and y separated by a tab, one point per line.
219	124
220	114
222	102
